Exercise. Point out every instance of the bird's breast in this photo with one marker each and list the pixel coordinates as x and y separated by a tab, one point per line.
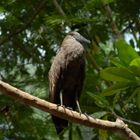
72	72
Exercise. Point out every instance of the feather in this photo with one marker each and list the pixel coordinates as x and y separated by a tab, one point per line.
67	75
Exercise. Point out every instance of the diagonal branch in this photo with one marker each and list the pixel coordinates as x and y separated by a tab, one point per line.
126	120
64	113
59	9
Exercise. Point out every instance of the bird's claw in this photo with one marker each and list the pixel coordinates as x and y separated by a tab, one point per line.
64	106
69	108
86	114
60	105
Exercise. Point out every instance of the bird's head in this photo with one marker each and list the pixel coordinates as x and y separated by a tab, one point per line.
79	37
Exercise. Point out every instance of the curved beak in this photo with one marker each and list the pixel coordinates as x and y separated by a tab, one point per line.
83	39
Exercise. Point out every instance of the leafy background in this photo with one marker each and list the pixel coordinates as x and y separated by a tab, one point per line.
30	35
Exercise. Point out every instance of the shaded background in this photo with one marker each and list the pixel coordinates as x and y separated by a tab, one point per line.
31	32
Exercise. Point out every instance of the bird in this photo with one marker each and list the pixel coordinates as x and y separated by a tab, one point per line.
66	75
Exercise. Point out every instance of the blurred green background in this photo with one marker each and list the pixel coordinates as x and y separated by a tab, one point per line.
31	32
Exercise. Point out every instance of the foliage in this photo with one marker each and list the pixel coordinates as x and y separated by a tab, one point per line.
30	35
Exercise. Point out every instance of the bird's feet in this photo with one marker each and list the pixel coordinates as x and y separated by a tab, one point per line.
60	105
64	106
69	108
89	116
86	115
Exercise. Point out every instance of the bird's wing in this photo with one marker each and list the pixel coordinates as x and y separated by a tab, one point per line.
55	78
81	78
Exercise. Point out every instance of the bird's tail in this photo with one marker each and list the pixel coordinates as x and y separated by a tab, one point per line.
60	124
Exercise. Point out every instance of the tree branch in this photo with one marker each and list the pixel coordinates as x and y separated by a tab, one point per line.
110	16
125	120
59	9
66	113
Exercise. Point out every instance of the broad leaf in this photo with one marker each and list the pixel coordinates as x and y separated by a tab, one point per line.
116	62
99	100
99	114
135	70
135	62
115	88
126	52
117	74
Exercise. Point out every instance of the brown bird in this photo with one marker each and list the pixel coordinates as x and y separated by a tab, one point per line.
66	75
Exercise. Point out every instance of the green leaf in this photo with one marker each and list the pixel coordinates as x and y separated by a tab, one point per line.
135	62
117	74
2	9
126	52
116	62
115	88
99	100
138	100
136	91
99	114
135	70
103	135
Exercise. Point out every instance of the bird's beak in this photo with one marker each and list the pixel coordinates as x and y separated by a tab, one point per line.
83	39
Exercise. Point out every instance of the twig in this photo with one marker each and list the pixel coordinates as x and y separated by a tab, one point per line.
126	120
110	16
64	113
59	9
